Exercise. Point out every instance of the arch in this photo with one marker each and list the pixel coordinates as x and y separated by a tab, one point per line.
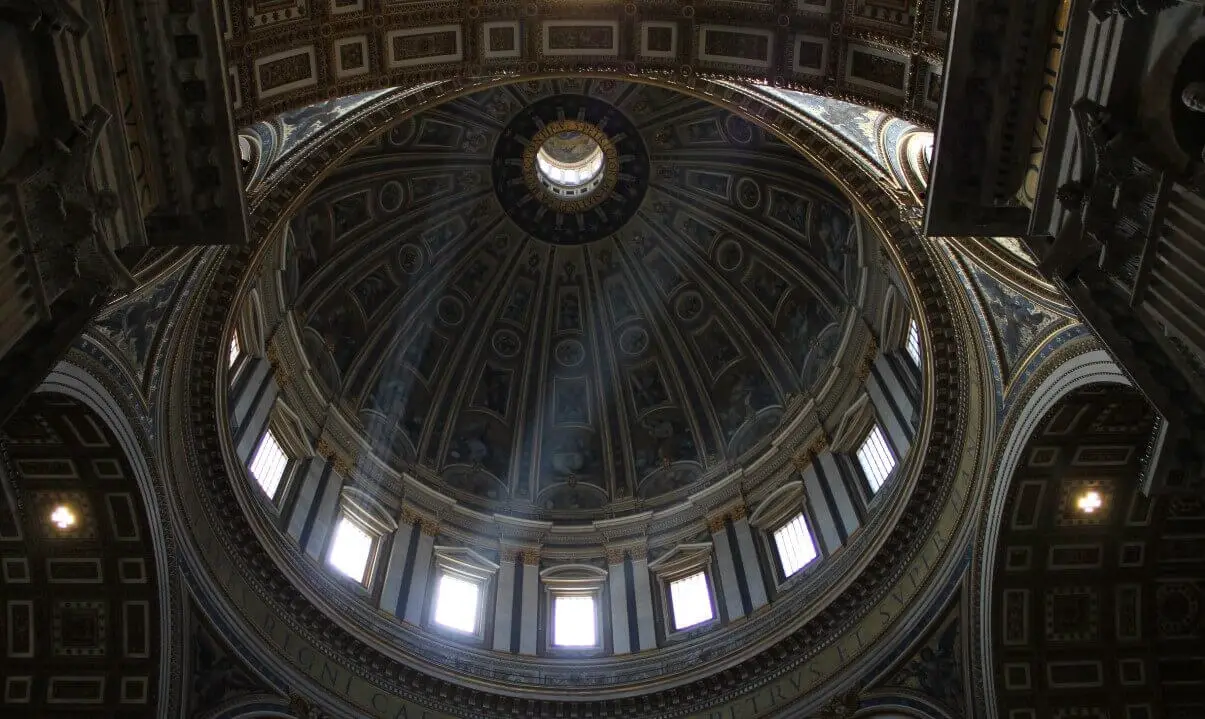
1093	366
73	381
252	706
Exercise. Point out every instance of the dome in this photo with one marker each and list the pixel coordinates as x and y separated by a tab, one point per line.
575	389
561	355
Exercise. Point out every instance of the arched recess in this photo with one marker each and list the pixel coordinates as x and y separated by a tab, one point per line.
1090	592
1096	595
87	599
1088	364
252	706
86	388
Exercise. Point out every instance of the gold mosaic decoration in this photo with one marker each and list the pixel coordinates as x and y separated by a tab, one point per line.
610	170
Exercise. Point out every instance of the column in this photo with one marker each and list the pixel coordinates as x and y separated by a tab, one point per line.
530	602
311	474
644	600
504	601
837	492
416	598
748	554
829	529
399	547
257	397
892	405
618	582
728	578
320	521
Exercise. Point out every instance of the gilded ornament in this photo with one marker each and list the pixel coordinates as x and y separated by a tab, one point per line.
610	169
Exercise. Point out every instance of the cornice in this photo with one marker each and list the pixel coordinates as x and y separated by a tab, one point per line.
823	623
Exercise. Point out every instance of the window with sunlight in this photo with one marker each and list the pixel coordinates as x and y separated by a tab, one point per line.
913	345
350	549
236	350
876	458
691	600
796	547
268	464
573	621
457	603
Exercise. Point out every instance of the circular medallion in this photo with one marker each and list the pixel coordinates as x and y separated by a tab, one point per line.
450	310
506	343
739	129
570	169
570	353
410	259
689	305
748	194
729	255
633	341
390	196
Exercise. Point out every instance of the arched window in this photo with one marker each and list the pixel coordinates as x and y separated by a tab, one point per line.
235	350
268	464
461	589
795	544
574	595
876	458
351	548
913	343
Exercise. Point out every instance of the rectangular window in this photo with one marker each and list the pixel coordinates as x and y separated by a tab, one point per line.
691	600
236	350
795	544
913	345
573	621
876	458
268	464
457	603
351	548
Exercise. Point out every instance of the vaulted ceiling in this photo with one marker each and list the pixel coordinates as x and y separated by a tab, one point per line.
1097	614
80	630
286	54
571	360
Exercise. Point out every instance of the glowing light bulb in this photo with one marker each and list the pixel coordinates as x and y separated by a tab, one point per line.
1089	502
63	517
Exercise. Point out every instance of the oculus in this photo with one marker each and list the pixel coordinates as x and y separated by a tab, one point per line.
570	169
62	517
570	163
1089	502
